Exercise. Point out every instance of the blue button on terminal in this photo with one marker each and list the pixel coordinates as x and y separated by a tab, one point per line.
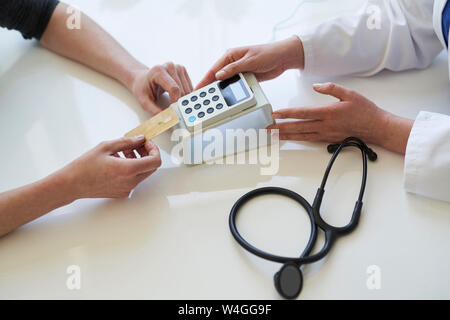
192	118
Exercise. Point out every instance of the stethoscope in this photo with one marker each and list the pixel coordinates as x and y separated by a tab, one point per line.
289	280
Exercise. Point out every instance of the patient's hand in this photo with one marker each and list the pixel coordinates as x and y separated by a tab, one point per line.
149	84
266	61
101	173
353	115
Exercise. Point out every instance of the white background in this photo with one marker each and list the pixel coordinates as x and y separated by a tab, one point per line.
171	239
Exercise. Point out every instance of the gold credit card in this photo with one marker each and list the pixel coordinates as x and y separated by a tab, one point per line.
156	125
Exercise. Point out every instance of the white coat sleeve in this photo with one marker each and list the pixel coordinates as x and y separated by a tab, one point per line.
384	34
427	159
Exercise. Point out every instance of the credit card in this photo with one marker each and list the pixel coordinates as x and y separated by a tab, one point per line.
156	125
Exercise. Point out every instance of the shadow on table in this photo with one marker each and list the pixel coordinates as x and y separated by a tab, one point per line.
42	108
130	224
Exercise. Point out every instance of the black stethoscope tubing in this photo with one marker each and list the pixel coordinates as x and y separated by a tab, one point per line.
313	211
264	191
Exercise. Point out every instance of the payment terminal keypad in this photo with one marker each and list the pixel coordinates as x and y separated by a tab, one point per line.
219	100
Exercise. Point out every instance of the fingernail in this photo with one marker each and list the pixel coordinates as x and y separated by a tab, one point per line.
220	74
317	85
175	92
140	137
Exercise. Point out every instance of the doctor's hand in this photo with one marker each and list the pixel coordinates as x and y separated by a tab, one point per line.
266	61
101	173
149	84
352	115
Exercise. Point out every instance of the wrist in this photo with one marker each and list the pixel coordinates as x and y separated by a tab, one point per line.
62	186
131	74
394	132
293	53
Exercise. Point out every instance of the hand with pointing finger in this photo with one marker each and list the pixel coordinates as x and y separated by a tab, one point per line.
352	115
266	61
149	84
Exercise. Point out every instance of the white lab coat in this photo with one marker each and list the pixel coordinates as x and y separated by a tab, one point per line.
409	36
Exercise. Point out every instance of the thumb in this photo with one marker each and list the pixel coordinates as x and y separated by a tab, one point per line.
152	149
167	83
150	106
124	143
231	69
207	79
332	89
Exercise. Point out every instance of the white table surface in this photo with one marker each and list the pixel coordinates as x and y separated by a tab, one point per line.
171	238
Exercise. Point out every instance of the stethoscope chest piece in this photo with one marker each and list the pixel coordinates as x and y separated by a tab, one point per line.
289	280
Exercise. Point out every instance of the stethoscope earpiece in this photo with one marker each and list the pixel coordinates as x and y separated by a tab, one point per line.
332	148
289	281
